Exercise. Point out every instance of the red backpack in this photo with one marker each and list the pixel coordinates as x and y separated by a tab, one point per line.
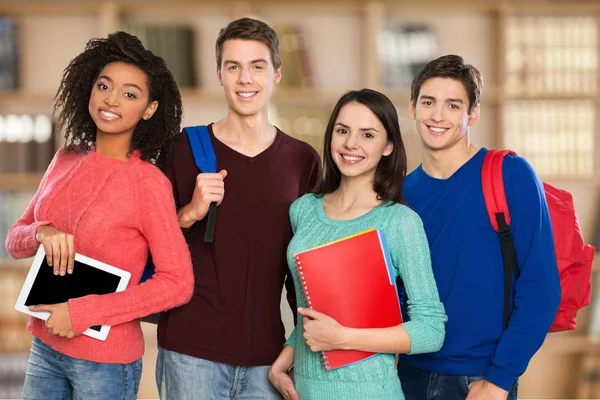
574	258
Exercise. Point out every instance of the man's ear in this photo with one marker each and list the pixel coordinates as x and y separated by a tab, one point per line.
411	110
219	78
278	75
150	110
474	116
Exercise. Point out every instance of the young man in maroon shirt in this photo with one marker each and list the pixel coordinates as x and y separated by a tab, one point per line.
221	344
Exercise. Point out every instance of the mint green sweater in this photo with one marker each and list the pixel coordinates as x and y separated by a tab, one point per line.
375	378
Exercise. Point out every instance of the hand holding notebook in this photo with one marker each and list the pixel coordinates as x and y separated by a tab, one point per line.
352	281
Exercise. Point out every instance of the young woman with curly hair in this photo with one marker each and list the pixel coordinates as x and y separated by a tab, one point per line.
102	197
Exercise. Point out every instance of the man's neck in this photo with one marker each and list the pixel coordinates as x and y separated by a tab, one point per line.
442	164
250	131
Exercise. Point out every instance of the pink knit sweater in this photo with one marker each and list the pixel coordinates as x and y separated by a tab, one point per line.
117	211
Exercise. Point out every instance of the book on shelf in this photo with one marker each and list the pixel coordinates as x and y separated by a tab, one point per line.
552	54
594	316
403	49
588	386
352	280
555	136
297	72
175	43
9	53
596	239
26	143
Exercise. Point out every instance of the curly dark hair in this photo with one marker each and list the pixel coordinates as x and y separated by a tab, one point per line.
155	137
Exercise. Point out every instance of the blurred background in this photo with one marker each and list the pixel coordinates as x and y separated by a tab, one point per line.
539	60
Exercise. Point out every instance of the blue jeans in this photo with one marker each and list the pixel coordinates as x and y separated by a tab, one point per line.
183	377
418	384
54	376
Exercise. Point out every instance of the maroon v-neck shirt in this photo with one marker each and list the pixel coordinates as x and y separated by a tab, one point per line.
234	315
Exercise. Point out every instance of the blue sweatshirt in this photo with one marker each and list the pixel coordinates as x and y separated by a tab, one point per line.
468	268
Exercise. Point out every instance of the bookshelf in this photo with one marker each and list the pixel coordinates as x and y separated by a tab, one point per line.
20	181
341	36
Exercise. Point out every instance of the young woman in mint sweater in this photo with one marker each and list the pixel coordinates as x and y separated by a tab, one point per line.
364	167
102	197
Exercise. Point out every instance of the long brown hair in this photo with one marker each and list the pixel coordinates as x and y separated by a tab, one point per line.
391	170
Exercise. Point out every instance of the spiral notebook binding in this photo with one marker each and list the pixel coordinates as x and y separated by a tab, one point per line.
310	304
303	281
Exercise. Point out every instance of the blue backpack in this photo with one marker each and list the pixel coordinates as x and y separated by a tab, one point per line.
206	161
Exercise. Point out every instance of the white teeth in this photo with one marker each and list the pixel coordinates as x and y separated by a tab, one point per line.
246	95
351	158
438	130
109	114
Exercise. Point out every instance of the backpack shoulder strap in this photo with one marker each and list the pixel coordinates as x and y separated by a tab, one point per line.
206	161
202	148
492	183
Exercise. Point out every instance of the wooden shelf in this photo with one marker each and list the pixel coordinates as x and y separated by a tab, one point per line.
570	342
70	7
62	7
547	96
567	180
20	181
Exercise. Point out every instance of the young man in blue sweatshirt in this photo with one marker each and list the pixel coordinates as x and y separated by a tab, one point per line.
480	359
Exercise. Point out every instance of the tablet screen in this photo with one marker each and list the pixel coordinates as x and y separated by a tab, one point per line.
48	288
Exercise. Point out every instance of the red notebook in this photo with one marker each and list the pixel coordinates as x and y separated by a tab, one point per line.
352	281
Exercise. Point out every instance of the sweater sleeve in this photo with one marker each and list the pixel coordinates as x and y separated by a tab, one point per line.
294	214
21	241
537	291
291	341
172	283
410	256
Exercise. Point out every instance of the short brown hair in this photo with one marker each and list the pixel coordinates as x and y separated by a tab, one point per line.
453	67
249	29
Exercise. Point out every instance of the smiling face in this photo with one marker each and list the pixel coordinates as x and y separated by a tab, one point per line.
359	141
120	99
247	76
441	113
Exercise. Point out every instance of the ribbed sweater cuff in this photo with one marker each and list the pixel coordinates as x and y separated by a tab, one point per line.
500	377
419	343
291	340
27	244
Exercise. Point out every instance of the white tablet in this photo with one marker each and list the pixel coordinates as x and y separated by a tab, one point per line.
89	277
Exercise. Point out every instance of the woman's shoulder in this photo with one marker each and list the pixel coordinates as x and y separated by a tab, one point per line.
401	212
306	200
304	205
150	176
66	155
